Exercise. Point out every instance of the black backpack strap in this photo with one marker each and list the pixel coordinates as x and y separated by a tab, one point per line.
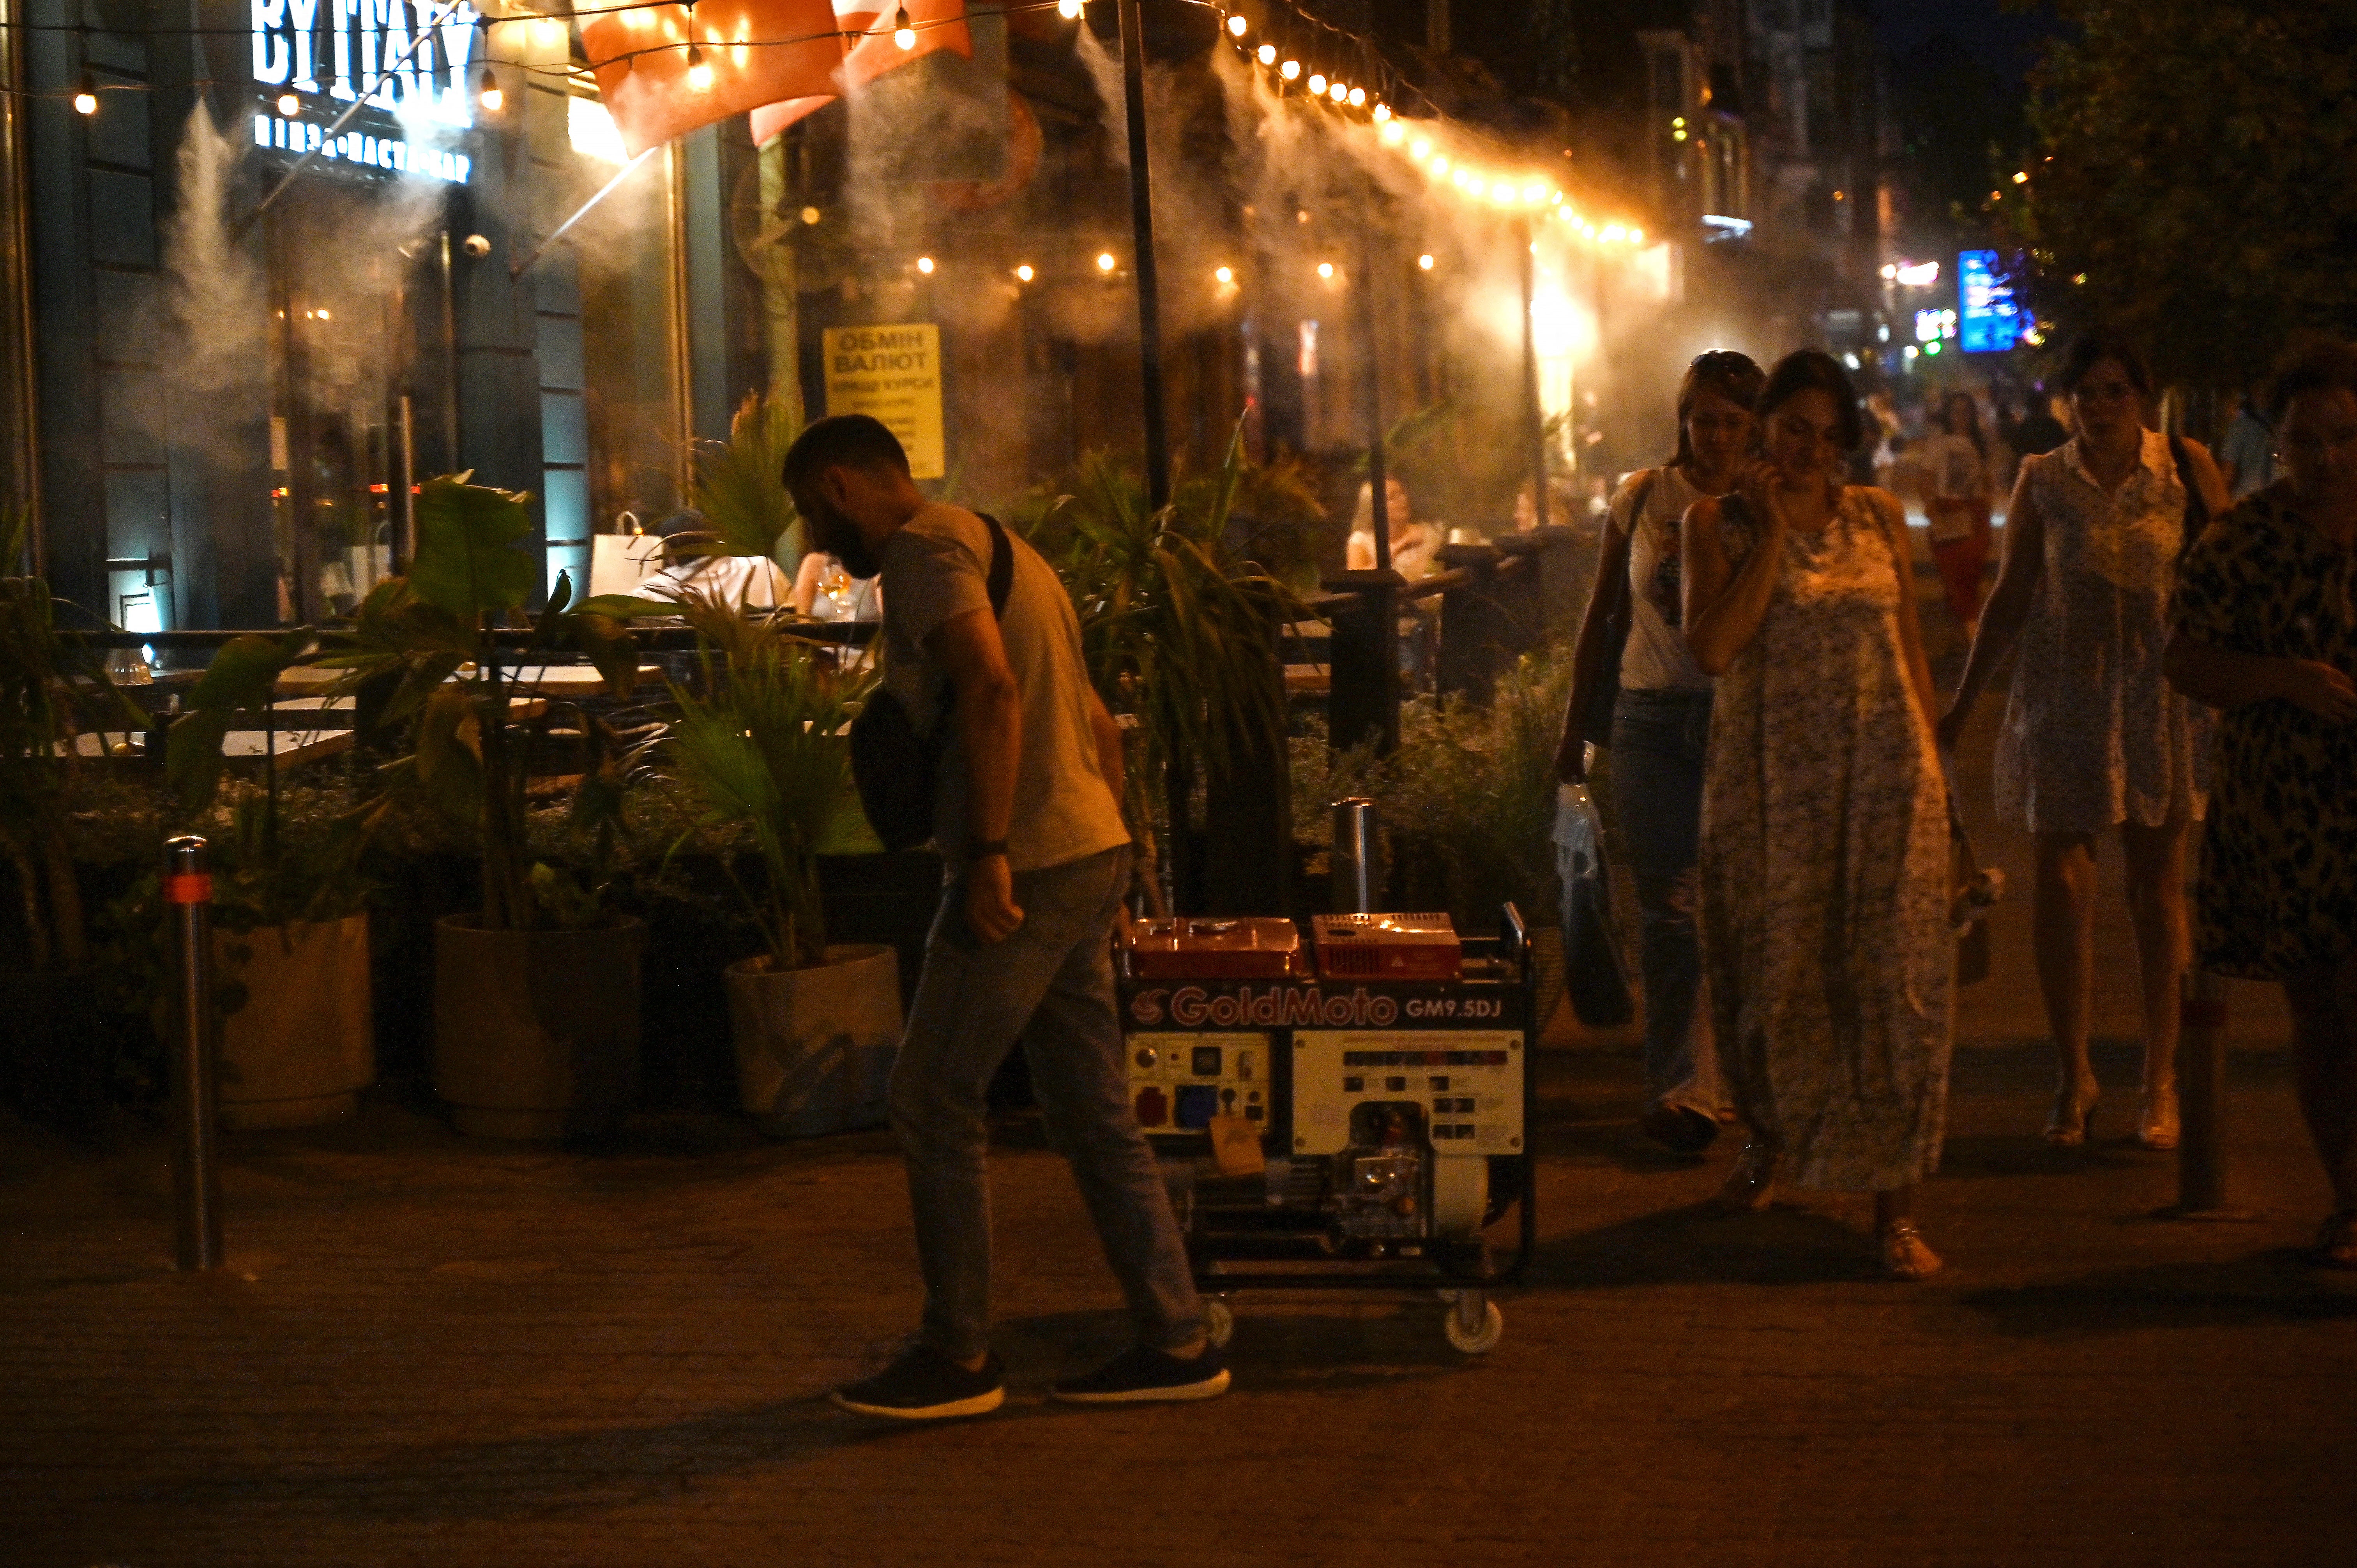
1000	582
2197	509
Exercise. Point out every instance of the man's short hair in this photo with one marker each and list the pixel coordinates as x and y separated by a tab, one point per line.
2324	366
842	441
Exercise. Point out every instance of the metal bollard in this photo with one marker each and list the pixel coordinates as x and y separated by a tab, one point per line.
2201	1093
196	1181
1356	869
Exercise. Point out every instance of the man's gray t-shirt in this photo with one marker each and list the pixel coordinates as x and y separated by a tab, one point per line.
935	570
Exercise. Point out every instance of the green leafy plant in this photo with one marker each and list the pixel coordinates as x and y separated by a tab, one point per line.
768	755
1180	627
739	484
471	748
53	691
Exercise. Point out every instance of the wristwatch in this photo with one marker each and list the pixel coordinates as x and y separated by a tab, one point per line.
985	850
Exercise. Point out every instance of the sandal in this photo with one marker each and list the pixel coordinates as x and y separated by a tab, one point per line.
1905	1255
1751	1181
2336	1244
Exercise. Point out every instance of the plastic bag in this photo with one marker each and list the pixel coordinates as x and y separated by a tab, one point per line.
1593	975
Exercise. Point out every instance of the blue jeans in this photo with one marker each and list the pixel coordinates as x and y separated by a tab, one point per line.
1658	741
1051	985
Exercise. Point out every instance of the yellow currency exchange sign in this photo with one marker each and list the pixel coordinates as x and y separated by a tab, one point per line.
894	374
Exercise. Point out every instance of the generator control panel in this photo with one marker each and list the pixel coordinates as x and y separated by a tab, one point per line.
1177	1082
1466	1084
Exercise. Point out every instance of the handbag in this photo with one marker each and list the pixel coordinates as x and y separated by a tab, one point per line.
1593	974
1596	720
896	765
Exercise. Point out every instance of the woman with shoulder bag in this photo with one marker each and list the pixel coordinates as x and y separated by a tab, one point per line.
2093	738
1637	692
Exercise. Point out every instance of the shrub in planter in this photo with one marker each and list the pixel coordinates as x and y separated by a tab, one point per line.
53	691
536	997
766	756
290	912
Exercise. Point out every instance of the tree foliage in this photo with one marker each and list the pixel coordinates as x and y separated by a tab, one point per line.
2198	169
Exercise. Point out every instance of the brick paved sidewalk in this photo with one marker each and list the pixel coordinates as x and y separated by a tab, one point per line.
430	1350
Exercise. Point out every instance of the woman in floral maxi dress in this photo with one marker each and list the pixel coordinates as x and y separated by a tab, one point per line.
1825	839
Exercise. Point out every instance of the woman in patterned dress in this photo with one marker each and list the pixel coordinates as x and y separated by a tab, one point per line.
2093	736
2267	629
1660	721
1825	857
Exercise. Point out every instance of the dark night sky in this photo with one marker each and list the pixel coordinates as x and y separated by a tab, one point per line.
2005	38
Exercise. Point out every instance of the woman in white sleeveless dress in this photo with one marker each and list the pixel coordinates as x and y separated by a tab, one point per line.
2095	738
1825	838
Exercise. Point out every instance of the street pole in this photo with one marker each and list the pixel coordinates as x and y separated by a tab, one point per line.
196	1181
1371	385
1538	415
1141	218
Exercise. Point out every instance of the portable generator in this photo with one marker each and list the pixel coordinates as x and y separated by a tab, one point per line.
1352	1115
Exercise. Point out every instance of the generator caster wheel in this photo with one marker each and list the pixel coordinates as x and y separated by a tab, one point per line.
1218	1323
1474	1324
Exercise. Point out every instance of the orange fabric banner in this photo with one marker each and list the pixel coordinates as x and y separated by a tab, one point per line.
871	51
759	52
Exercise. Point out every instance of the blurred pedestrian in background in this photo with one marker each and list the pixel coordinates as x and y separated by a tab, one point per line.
1825	836
1413	543
2247	455
1629	646
2265	628
1953	469
2095	738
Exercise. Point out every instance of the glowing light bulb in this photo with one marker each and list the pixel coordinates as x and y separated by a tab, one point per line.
322	313
1421	146
85	98
491	97
1534	194
1268	54
1290	70
1358	98
1025	272
1384	113
1439	162
1636	236
1318	81
1339	93
1104	262
1237	25
1225	274
925	266
1613	233
1394	133
1555	199
290	106
1326	270
699	69
2021	177
1424	260
810	216
1068	9
904	36
1502	193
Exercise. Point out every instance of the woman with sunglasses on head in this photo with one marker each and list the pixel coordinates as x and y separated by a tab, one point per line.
2265	628
1824	841
2093	736
1660	717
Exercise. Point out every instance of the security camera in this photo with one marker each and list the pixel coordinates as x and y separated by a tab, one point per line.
478	246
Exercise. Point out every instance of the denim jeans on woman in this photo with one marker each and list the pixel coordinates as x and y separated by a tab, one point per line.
1658	740
1051	984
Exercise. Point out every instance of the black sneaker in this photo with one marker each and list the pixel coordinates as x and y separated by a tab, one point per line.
924	1385
1141	1374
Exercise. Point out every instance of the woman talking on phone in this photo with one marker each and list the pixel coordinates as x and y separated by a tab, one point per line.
1660	716
1824	844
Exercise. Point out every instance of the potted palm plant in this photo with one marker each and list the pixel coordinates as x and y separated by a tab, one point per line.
291	927
535	994
766	756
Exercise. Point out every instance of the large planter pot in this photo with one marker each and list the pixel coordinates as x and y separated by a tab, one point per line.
535	1033
814	1046
304	1045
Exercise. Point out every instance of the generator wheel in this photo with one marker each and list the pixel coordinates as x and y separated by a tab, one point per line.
1219	1322
1477	1340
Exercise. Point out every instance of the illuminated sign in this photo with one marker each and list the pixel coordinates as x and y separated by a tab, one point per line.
1914	274
1930	325
403	62
894	374
1993	321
